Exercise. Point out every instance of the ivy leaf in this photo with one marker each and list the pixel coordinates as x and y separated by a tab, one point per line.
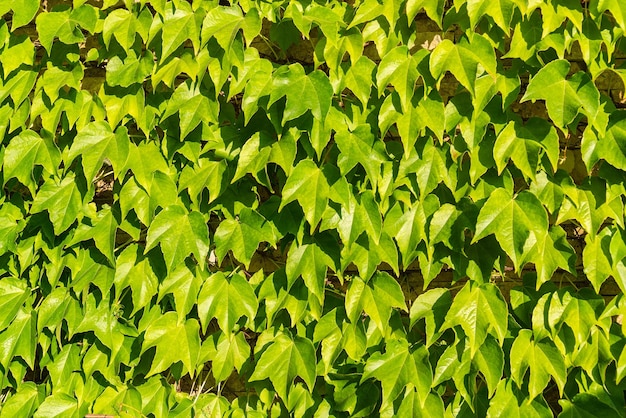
254	155
398	367
566	97
501	11
478	309
552	252
284	360
222	23
97	142
19	339
596	258
308	185
192	107
133	269
57	405
617	9
542	359
489	360
65	25
179	24
376	297
242	236
130	71
24	152
121	24
18	53
102	231
227	351
516	223
399	68
179	233
462	60
522	143
185	285
431	305
408	228
304	92
227	299
24	401
360	147
161	332
359	78
206	175
610	147
310	262
61	199
434	9
23	12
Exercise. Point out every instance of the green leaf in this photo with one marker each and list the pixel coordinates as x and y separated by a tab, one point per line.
101	229
610	147
552	252
161	332
566	97
227	351
57	405
399	68
65	25
18	53
222	23
185	285
516	222
542	359
23	12
308	185
227	299
359	146
285	359
192	106
24	401
122	25
131	70
310	262
61	199
243	235
304	92
432	305
179	24
479	310
24	152
501	11
376	297
359	78
179	233
408	228
19	339
434	9
206	175
596	258
463	59
489	360
617	9
96	143
522	143
513	402
254	156
398	367
134	269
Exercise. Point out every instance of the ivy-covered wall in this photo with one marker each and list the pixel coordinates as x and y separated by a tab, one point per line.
312	208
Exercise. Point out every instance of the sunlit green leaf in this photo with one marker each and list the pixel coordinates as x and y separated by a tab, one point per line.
179	234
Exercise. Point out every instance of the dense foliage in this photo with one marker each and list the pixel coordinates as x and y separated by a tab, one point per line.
216	210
